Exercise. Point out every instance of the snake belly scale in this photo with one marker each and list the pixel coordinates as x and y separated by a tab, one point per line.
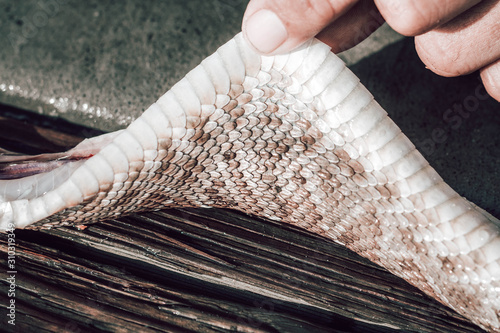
294	138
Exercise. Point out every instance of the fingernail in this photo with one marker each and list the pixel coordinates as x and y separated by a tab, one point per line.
265	31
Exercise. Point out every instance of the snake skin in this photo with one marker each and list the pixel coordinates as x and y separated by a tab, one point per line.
294	138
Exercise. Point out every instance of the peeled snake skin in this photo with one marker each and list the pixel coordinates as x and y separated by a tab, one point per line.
294	138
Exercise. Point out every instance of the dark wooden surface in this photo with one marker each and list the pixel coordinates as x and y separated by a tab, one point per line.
196	270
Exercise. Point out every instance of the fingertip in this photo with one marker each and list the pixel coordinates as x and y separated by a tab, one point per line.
490	75
413	18
278	26
425	57
436	55
264	31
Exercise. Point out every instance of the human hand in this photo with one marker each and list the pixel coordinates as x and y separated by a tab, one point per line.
453	37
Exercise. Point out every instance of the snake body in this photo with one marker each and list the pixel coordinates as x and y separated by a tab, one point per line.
294	138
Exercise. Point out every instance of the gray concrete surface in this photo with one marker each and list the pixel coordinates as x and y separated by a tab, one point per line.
101	64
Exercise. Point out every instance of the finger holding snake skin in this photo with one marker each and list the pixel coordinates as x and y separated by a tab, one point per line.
294	138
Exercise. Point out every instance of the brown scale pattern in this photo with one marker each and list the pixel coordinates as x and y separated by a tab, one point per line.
263	157
259	156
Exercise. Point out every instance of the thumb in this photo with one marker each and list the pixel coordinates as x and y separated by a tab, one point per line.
278	26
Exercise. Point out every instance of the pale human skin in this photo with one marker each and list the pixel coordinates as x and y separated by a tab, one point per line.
452	37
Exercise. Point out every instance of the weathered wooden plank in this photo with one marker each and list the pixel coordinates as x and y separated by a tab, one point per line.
198	270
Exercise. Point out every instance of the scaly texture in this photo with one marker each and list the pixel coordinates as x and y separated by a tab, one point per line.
294	138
